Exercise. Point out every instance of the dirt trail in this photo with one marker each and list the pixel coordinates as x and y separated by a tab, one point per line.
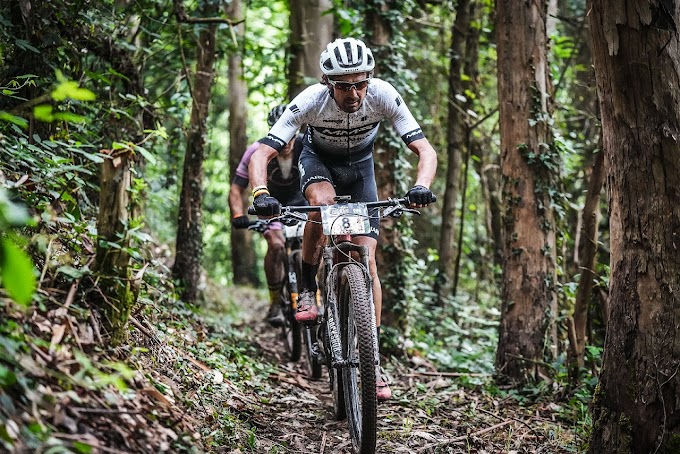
428	413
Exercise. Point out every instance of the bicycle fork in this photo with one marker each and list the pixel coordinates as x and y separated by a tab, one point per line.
338	255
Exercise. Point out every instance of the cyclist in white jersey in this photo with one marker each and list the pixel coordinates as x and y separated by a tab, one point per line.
342	115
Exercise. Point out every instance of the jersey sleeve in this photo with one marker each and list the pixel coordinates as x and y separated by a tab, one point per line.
399	114
241	178
296	114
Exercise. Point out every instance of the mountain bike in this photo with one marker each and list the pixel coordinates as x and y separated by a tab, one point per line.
347	341
291	331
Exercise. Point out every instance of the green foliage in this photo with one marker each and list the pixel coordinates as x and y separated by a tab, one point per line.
17	274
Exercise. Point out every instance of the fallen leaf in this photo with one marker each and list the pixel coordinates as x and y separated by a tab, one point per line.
57	335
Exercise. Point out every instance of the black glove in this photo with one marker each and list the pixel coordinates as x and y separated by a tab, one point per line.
420	195
240	222
266	205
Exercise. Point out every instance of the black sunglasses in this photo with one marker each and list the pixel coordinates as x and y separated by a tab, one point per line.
347	86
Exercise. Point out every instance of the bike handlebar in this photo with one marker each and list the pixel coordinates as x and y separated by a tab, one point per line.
404	202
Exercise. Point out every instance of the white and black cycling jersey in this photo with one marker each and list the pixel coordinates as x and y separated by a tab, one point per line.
340	136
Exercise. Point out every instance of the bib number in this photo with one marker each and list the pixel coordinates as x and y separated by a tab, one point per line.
345	219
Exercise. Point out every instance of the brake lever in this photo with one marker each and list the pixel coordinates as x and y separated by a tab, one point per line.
396	211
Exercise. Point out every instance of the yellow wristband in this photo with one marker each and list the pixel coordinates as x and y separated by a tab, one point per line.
260	191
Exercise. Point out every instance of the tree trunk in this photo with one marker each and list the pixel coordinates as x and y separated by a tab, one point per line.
113	263
588	260
187	266
310	31
636	54
243	257
529	166
389	252
457	128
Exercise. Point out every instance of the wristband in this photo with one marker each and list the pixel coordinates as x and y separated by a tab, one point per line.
260	190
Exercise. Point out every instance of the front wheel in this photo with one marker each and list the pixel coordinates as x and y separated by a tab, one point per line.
358	337
291	332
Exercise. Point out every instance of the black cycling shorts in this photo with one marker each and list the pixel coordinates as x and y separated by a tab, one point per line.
356	180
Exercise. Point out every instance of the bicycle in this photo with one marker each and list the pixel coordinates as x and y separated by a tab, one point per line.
293	336
349	345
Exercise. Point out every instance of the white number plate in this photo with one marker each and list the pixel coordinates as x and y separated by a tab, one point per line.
350	218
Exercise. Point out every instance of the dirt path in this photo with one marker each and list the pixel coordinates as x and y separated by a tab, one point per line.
428	413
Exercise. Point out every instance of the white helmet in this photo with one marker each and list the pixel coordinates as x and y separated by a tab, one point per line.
346	56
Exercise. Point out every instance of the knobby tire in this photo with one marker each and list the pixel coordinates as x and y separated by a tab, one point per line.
312	359
291	330
358	344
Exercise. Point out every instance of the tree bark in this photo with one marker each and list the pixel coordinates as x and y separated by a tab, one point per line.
243	257
457	128
390	251
588	260
636	55
113	263
310	31
529	166
189	244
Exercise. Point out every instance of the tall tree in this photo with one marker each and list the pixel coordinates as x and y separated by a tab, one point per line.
243	259
389	252
528	167
189	244
636	55
587	260
457	132
311	29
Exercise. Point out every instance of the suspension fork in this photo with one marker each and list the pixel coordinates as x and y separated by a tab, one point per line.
334	258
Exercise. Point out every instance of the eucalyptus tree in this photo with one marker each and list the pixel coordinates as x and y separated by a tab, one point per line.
635	55
243	257
576	118
189	242
529	164
462	67
311	29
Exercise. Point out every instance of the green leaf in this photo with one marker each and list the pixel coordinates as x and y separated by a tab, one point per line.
6	116
144	152
70	117
23	44
7	377
120	146
69	89
43	112
16	270
71	272
82	447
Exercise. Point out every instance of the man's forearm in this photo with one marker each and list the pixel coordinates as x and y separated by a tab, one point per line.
257	169
236	200
427	162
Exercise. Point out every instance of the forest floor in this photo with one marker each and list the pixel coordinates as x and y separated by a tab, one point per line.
430	412
214	380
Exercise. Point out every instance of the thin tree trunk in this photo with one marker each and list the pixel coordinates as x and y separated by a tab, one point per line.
187	266
243	257
457	131
310	31
588	260
636	55
389	253
529	166
113	263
